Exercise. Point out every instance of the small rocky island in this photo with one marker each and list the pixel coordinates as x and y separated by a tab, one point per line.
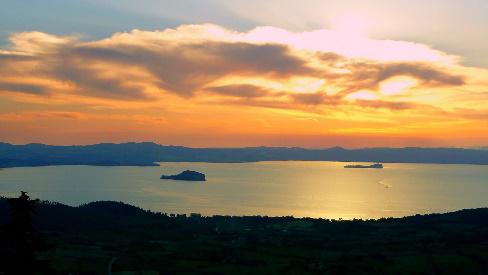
186	175
376	166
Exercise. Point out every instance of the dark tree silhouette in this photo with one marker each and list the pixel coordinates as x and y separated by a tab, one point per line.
24	239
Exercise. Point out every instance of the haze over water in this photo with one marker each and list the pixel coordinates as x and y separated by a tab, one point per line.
298	188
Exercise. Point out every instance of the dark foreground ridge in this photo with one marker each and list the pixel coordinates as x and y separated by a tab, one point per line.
94	237
148	153
186	175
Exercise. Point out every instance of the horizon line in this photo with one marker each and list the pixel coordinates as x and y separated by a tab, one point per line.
482	147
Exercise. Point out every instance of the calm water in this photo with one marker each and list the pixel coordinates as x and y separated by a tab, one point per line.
298	188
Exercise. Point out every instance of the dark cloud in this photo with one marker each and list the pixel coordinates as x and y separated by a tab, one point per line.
14	57
11	62
257	102
184	69
89	80
270	59
318	98
376	104
321	98
242	90
369	75
23	88
331	58
423	72
125	65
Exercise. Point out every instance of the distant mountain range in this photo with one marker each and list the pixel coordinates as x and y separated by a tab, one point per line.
148	154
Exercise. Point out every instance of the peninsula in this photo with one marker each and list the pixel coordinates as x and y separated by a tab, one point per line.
149	154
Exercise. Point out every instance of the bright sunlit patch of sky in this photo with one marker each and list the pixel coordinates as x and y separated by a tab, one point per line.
352	23
397	85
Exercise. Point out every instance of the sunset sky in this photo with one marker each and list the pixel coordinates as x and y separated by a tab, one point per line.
245	73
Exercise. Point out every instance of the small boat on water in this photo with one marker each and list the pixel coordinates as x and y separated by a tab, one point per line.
375	166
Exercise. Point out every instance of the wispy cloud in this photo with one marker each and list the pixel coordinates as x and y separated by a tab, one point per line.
42	115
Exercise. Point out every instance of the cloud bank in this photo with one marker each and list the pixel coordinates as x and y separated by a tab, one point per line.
192	59
200	73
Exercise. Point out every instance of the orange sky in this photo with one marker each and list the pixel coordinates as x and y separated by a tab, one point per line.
206	85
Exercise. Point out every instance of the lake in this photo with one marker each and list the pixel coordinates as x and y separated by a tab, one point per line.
275	188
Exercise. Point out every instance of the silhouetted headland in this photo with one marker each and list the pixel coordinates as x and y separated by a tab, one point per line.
149	154
186	175
374	166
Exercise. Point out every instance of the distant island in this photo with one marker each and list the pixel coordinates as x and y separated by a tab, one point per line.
149	154
375	166
186	175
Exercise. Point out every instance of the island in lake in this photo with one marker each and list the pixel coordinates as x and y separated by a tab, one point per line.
186	175
376	166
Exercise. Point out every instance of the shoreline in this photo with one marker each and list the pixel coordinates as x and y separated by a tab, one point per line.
157	163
